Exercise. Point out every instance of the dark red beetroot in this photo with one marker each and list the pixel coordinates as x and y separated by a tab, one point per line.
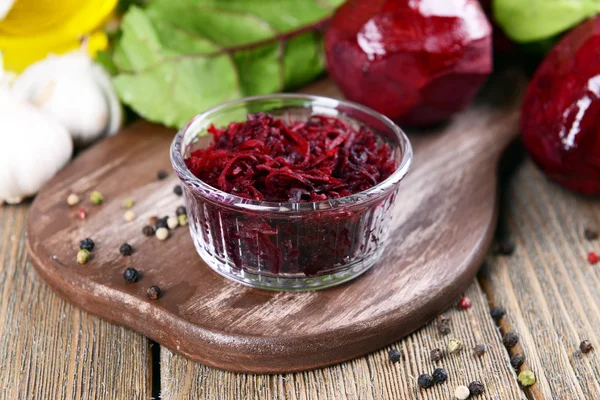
416	61
560	123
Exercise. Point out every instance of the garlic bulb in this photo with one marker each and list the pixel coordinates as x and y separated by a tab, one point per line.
75	92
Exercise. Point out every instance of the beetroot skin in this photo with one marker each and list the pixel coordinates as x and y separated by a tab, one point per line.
416	61
560	123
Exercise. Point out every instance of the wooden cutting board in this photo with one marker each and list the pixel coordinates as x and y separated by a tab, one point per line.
443	228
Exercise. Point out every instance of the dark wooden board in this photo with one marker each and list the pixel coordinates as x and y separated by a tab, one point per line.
444	225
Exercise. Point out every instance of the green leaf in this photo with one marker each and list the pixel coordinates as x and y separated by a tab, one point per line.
176	58
527	21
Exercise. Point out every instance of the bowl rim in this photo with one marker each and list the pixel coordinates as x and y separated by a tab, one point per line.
234	201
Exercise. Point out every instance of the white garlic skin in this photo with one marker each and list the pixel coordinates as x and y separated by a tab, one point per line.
33	147
75	92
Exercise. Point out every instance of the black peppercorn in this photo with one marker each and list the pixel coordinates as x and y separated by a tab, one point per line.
590	234
161	174
476	388
440	375
505	247
153	292
87	244
497	312
425	381
126	249
148	230
131	275
586	346
180	211
443	324
162	223
435	355
178	190
517	360
479	350
510	340
394	355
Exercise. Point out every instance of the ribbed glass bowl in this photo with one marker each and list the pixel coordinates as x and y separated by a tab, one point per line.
289	246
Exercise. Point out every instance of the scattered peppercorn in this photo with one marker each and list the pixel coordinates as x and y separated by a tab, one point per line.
497	312
435	355
586	346
178	190
126	249
439	375
526	378
82	213
479	350
172	222
83	256
425	381
72	199
148	230
128	203
394	355
476	388
462	392
96	198
129	216
180	211
454	346
464	303
161	174
517	360
443	324
593	257
183	219
131	275
162	233
162	223
505	247
590	234
510	340
87	244
153	292
153	220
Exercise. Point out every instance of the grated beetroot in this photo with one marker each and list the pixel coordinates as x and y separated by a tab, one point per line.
267	159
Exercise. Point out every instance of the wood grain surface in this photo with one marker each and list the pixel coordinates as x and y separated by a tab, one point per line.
442	230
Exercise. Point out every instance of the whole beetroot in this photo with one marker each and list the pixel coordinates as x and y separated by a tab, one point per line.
560	122
416	61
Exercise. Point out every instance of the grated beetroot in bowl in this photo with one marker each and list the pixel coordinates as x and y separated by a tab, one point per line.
267	159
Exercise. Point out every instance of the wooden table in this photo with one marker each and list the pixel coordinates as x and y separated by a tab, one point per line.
51	350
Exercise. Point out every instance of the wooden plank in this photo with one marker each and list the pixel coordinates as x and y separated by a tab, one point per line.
50	349
551	292
369	378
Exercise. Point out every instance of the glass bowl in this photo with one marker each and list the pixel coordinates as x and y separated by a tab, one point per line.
289	246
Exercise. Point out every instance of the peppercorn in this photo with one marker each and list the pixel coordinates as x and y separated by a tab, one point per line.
172	222
148	230
425	381
178	190
183	219
131	275
129	216
586	346
593	257
394	355
590	234
153	292
464	303
96	198
517	360
454	346
435	355
443	324
497	312
510	340
526	378
162	233
462	392
479	350
82	213
180	211
153	220
161	174
126	249
87	244
440	375
83	256
505	247
72	199
476	388
162	223
128	203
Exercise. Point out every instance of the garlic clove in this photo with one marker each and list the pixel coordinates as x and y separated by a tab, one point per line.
115	110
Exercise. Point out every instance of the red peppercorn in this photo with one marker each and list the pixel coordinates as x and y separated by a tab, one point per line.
593	257
82	213
464	303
